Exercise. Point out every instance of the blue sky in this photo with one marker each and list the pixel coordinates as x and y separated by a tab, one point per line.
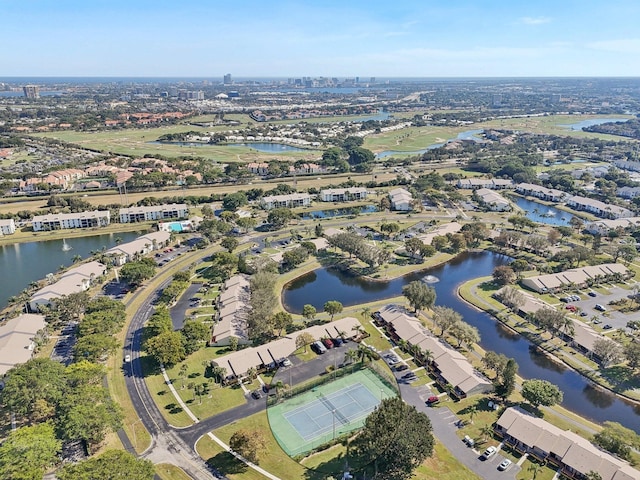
272	38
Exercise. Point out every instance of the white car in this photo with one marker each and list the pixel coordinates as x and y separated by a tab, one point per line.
285	362
127	358
504	464
489	452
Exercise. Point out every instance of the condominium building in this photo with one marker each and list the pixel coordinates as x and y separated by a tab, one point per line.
492	200
538	191
598	208
291	200
127	252
400	199
61	221
577	277
153	212
7	226
74	280
343	194
17	340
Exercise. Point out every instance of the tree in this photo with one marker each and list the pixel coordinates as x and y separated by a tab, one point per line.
414	246
419	295
135	273
159	322
282	320
111	465
279	217
303	340
617	439
195	335
309	312
229	243
233	343
632	354
627	252
294	257
503	275
607	350
464	333
36	383
251	444
512	298
593	475
541	392
445	318
332	307
496	362
166	348
182	373
96	347
507	381
28	452
233	201
395	439
366	354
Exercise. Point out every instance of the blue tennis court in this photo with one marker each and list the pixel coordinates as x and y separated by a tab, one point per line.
346	405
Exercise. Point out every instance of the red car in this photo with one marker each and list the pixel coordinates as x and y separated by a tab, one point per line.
432	400
327	342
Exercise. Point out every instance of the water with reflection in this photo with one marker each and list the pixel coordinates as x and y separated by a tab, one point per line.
325	284
23	263
543	213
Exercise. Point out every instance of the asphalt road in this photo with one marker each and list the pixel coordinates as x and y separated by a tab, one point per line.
179	310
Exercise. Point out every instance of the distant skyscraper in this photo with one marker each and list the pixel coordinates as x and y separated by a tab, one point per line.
31	91
227	79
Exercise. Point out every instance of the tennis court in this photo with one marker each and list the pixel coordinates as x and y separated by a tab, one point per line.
317	416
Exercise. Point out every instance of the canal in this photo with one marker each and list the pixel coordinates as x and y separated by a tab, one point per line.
580	396
23	263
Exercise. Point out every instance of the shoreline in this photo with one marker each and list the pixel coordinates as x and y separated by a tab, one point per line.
550	355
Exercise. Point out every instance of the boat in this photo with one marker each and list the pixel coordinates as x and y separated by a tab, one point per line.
65	246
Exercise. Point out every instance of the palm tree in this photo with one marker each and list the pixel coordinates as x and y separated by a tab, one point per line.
279	386
182	373
252	373
365	354
427	356
472	412
76	259
366	313
219	373
351	356
486	431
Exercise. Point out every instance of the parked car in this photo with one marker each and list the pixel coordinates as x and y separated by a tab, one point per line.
599	307
504	464
432	400
469	441
583	314
285	362
565	299
592	294
318	347
488	453
401	367
127	358
337	341
327	342
256	394
607	327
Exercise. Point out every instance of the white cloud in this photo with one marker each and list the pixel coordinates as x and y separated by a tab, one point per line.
624	45
534	20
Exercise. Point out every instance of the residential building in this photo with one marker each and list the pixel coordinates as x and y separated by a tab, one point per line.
17	340
142	245
492	200
439	231
401	199
291	200
74	280
597	207
448	365
565	450
538	191
31	91
266	356
61	221
258	168
153	212
627	165
628	192
602	227
577	277
232	310
491	183
343	194
7	226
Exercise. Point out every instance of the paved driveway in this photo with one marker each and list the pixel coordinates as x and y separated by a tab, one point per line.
612	317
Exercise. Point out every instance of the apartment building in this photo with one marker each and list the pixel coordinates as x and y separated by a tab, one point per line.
153	212
61	221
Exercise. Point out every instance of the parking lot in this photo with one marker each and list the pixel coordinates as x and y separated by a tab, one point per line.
610	316
63	349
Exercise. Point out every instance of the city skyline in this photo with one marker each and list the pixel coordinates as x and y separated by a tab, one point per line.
283	38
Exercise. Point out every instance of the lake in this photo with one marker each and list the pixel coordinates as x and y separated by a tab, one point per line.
260	146
337	212
543	213
23	263
580	395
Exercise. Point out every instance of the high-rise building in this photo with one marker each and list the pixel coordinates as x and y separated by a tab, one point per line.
31	91
227	79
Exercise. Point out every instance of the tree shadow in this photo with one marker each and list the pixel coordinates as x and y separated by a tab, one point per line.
173	408
227	464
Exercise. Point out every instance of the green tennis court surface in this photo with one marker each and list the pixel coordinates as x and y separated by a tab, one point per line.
317	416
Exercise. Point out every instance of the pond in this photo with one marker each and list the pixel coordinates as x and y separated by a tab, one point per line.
466	135
543	213
580	395
338	212
260	146
23	263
